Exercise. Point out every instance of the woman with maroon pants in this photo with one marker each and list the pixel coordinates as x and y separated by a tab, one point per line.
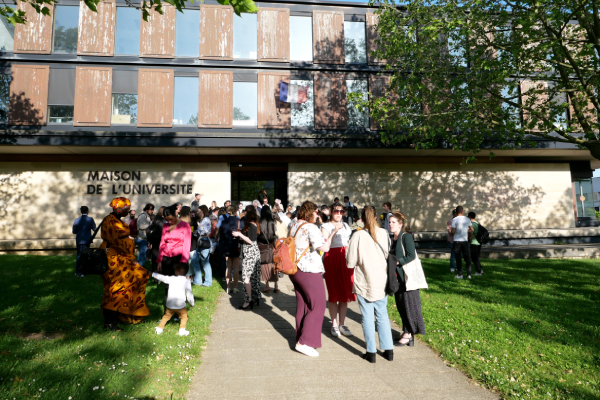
308	282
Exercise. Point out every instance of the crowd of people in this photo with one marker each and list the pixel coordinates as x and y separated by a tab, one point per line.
342	257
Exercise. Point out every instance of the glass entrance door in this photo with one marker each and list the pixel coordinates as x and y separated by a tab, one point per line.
250	181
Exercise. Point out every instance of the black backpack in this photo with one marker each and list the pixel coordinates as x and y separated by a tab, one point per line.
355	216
483	236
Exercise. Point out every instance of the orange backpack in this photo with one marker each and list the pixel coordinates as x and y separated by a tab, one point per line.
285	254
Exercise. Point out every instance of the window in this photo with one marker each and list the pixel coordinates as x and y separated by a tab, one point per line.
301	40
357	118
355	42
7	34
245	37
583	198
60	114
185	104
303	114
124	109
127	39
187	33
66	22
511	94
245	108
4	97
456	49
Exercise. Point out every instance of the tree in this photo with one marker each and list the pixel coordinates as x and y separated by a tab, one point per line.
238	115
489	74
43	6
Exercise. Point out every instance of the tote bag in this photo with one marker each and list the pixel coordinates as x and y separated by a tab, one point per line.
414	276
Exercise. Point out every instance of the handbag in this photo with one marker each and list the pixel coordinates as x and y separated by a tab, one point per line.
93	261
285	258
266	253
392	285
413	272
204	243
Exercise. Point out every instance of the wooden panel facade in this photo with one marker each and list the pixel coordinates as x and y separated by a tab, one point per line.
328	37
274	34
34	36
216	32
96	34
330	101
157	35
28	101
271	112
377	87
155	98
215	105
93	90
371	22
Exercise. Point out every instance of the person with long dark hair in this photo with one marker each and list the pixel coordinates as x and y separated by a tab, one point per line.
228	248
154	236
266	243
250	260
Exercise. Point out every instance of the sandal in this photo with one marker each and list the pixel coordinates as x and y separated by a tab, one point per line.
266	291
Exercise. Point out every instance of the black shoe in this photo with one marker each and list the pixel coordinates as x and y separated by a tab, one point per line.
411	342
370	357
113	327
256	302
250	306
388	355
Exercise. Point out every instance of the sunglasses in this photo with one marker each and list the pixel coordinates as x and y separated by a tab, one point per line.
338	211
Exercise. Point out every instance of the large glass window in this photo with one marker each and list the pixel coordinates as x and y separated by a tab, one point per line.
60	114
187	33
124	109
185	104
303	114
4	96
356	44
245	37
583	198
7	34
301	41
245	108
456	48
127	38
66	22
356	118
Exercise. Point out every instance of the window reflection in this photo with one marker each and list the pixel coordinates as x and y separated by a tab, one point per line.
583	198
7	34
187	33
355	42
456	48
245	37
66	22
301	40
4	96
60	114
124	109
303	114
185	104
511	94
245	109
357	118
127	38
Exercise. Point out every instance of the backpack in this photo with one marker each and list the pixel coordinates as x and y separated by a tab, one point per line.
483	236
355	216
284	255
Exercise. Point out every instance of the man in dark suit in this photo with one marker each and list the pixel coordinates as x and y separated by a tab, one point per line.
83	228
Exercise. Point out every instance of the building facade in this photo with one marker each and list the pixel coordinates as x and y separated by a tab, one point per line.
98	105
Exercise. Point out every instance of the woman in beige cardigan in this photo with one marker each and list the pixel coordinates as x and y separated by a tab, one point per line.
367	254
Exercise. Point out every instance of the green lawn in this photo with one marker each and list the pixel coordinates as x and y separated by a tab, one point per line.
81	360
527	328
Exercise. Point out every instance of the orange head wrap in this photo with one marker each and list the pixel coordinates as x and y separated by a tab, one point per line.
119	202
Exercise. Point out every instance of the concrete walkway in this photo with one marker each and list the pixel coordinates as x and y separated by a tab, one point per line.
250	355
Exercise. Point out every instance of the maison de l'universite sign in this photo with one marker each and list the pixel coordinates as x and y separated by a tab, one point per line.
129	183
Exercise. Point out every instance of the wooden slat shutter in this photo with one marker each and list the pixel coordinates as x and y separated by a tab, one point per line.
215	105
274	34
328	37
96	36
155	98
157	35
330	101
216	32
377	88
28	95
93	89
372	35
271	112
34	36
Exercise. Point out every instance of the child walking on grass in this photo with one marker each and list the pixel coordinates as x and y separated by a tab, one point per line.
180	288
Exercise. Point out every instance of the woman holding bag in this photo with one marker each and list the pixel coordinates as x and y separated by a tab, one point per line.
407	302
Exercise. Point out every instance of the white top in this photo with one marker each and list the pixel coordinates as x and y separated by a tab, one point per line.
180	288
341	238
308	236
284	218
462	225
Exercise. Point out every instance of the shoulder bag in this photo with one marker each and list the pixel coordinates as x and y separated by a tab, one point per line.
93	261
392	285
414	276
285	253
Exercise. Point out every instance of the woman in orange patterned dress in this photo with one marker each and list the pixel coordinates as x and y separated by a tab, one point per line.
125	281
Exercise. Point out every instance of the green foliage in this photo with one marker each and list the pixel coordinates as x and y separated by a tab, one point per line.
238	115
527	329
456	71
596	213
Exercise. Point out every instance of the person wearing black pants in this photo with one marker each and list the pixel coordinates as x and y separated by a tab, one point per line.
475	246
461	228
461	250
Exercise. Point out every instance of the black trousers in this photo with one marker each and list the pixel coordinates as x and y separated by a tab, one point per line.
476	256
461	250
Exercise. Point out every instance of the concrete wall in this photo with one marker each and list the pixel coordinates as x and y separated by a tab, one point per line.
504	196
41	200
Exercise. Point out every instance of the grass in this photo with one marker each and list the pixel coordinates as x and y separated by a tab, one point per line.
526	329
79	359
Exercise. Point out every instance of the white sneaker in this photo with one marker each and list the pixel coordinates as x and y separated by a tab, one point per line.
458	276
183	332
479	274
335	331
468	276
158	330
307	350
345	331
451	269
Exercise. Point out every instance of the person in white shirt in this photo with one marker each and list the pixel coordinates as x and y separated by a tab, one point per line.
461	229
180	289
338	277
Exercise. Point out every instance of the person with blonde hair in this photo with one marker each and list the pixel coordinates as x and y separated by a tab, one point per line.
367	255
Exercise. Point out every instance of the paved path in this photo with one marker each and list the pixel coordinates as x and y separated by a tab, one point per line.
250	355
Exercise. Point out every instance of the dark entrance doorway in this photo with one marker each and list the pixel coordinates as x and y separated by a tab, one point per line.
248	180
